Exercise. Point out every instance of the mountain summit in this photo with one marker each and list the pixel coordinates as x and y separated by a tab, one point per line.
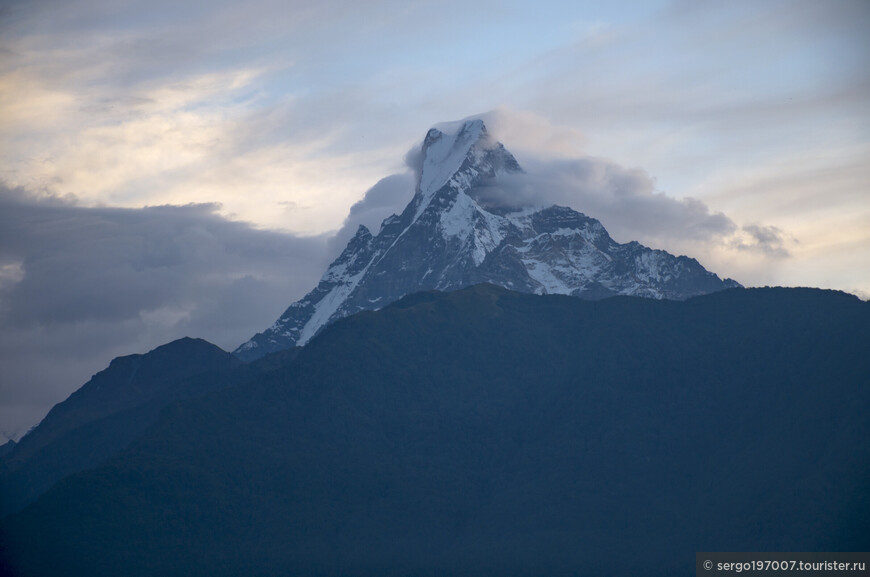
450	236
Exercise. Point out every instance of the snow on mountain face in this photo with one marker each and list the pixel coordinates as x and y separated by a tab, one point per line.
445	240
445	154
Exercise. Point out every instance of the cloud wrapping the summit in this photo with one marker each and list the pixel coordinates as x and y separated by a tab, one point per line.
625	200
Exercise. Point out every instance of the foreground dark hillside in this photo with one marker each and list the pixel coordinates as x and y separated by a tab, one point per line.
485	432
107	413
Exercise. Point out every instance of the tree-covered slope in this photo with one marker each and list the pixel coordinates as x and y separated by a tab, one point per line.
485	432
107	413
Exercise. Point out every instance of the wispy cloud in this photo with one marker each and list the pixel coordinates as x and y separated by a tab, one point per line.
767	239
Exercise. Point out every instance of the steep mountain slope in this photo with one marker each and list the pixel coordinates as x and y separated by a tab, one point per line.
7	447
106	413
486	432
450	237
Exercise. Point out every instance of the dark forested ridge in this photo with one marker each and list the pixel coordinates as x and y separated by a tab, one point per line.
485	432
107	413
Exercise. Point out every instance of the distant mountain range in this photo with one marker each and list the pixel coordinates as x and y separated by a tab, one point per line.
482	432
454	234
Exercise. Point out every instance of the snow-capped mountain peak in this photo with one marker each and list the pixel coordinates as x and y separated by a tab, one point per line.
458	155
443	154
445	240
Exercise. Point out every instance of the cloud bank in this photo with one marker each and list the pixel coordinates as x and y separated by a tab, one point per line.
80	285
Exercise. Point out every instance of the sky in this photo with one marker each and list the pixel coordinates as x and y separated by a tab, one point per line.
191	168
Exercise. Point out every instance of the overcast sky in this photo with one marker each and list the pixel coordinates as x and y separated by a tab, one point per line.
189	168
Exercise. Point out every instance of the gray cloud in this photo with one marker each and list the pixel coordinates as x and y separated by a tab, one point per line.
769	240
624	200
389	196
79	286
